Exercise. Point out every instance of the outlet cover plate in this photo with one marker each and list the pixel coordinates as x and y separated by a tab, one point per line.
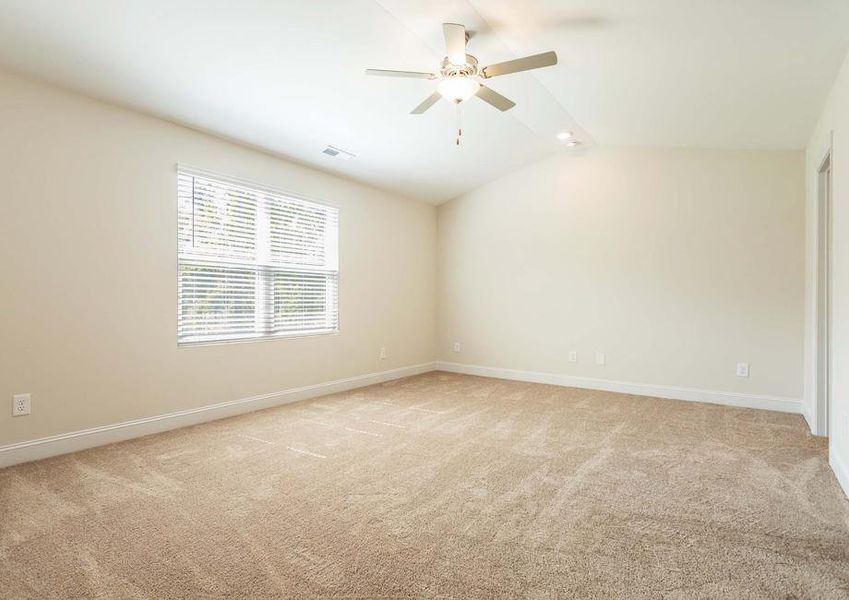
21	405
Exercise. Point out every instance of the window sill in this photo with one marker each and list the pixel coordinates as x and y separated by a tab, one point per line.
256	338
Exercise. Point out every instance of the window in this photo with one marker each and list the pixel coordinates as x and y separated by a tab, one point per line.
253	263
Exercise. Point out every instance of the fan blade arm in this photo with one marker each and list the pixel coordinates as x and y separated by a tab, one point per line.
426	104
455	42
490	96
535	61
408	74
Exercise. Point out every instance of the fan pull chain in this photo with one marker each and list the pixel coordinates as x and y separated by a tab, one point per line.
459	125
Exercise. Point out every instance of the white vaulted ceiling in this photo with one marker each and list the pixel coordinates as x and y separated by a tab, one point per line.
287	76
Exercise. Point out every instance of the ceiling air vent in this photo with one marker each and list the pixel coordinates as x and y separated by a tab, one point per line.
338	153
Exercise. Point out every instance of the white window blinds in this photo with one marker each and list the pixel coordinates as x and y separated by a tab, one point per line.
253	263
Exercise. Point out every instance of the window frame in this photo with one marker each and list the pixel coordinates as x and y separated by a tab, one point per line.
185	169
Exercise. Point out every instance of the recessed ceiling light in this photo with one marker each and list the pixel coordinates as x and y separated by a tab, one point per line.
564	135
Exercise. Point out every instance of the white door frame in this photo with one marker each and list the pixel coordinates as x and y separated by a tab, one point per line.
823	295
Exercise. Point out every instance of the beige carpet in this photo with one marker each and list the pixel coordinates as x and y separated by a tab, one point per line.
439	485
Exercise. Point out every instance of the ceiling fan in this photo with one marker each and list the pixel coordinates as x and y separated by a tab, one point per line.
460	76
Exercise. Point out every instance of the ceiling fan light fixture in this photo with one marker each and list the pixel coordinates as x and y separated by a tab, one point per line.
460	77
564	135
458	88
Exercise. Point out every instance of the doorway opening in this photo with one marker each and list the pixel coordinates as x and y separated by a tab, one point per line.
824	243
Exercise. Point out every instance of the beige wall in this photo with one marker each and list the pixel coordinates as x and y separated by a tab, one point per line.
88	270
832	131
675	264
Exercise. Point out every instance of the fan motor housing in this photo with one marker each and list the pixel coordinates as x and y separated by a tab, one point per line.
470	69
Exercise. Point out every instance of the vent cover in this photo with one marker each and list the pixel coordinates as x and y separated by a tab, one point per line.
338	152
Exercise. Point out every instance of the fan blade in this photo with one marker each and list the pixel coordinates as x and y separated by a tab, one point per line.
428	102
413	74
455	43
546	59
494	98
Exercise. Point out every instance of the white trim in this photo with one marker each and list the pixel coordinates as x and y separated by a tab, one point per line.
818	415
840	471
806	414
791	405
97	436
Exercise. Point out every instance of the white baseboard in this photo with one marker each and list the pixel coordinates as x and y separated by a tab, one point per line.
806	414
97	436
840	471
791	405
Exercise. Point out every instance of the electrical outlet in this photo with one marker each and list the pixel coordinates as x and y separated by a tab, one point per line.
742	369
21	404
456	346
382	352
599	358
573	356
